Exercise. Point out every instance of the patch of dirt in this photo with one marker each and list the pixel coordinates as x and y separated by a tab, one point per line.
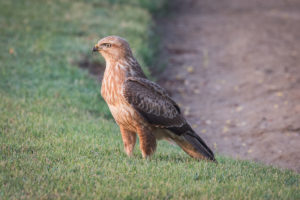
96	69
234	67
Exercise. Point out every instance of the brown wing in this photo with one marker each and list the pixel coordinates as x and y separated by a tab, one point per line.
153	103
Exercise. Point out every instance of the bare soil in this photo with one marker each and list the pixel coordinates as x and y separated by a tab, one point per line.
234	67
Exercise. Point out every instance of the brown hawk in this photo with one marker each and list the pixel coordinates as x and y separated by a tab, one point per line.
141	107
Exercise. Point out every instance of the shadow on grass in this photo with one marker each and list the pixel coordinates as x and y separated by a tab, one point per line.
176	158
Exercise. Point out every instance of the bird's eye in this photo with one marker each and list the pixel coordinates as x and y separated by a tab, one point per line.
107	45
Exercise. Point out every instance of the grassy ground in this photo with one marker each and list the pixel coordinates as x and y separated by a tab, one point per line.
57	137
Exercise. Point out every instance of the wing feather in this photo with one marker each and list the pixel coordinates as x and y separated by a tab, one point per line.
152	102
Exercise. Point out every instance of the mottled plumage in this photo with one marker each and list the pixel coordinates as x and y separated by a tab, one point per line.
141	107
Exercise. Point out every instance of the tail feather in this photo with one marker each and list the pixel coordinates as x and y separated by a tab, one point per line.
193	139
191	143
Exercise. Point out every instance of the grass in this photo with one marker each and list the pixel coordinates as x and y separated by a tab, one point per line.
58	139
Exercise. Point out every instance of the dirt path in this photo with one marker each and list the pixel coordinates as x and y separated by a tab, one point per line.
234	66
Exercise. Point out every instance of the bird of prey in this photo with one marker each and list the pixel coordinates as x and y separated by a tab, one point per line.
142	107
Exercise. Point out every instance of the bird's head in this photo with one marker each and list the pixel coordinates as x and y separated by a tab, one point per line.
113	47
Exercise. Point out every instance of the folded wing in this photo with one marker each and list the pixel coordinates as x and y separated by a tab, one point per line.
154	104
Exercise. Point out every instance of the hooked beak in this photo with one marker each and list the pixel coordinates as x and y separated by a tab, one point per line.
96	48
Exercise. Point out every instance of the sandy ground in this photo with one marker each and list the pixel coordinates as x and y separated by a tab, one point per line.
234	67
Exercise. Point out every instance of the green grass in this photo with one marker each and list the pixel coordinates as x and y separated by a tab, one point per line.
58	139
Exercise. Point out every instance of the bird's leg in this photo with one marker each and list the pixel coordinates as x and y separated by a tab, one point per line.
129	139
147	141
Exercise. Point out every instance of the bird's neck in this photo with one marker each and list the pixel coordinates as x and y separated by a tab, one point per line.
116	72
120	69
